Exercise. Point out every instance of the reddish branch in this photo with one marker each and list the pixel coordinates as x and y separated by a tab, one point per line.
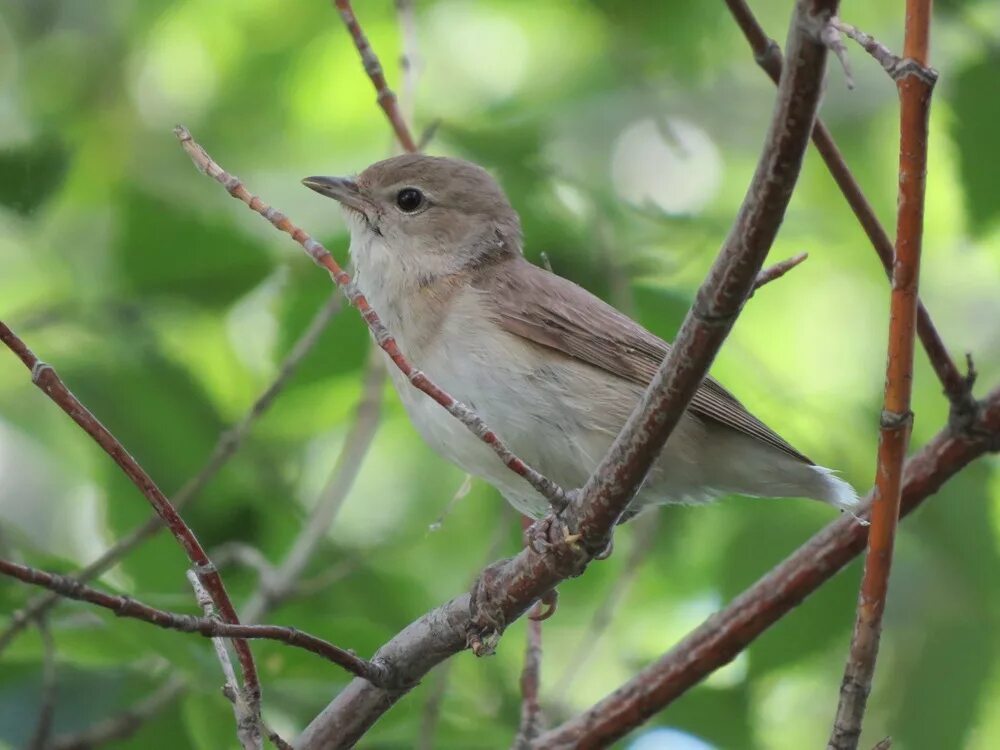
45	377
915	82
209	627
386	98
512	587
225	448
725	634
957	387
555	494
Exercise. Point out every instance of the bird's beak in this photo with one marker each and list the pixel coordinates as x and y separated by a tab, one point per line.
341	189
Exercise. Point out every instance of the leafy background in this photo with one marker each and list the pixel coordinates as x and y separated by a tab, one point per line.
625	134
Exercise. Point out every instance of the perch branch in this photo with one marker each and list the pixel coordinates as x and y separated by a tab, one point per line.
957	387
47	709
225	448
516	585
725	634
549	489
49	382
915	87
209	627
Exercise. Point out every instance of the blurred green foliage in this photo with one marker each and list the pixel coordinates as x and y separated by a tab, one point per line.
167	307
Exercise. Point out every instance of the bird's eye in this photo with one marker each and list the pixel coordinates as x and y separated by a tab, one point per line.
409	199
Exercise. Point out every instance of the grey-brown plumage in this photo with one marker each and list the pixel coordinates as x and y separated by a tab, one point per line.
555	370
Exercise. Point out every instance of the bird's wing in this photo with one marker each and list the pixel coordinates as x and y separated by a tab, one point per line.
551	311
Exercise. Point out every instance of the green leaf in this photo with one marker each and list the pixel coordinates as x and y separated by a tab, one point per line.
166	249
31	173
976	100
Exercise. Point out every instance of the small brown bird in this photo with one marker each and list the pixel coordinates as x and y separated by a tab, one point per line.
553	369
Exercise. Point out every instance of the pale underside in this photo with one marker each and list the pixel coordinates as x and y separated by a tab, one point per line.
556	372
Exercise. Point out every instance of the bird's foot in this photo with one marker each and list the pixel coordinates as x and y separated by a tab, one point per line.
486	617
546	606
547	532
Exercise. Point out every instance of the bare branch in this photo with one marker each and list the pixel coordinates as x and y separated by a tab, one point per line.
725	634
957	387
897	419
49	382
531	711
208	627
549	489
386	99
772	273
883	56
225	448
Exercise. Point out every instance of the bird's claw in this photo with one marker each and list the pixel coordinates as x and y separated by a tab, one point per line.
550	601
547	532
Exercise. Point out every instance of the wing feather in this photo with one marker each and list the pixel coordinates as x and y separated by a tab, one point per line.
551	311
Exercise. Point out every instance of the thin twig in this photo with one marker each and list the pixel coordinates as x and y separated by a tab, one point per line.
410	60
957	387
719	639
225	448
897	420
48	381
124	606
386	99
549	489
516	585
883	56
771	273
49	695
248	729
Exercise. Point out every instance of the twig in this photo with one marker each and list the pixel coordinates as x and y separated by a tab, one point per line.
549	489
225	448
725	634
771	273
48	381
46	712
531	711
897	420
208	627
284	579
883	56
957	388
386	99
517	584
125	724
280	583
248	729
531	675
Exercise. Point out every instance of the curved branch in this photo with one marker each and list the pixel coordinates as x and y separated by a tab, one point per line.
48	381
725	634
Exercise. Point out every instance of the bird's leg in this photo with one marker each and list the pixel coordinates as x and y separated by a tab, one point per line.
546	532
486	618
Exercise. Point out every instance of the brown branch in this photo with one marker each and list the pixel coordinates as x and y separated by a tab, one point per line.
49	382
725	634
510	590
228	444
915	90
549	489
775	272
386	99
957	387
208	627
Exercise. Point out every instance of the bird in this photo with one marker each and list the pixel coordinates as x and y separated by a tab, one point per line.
437	250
